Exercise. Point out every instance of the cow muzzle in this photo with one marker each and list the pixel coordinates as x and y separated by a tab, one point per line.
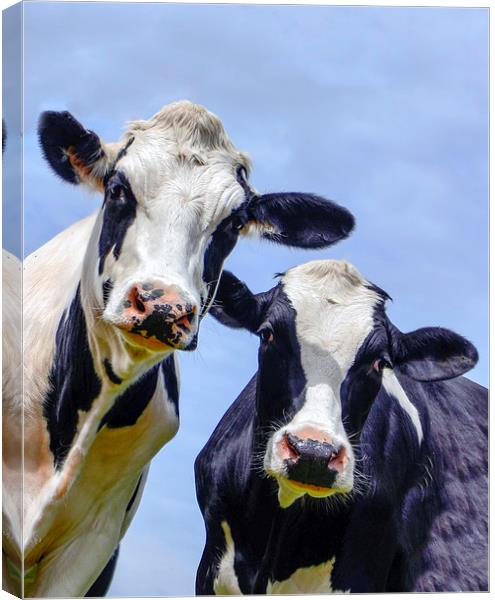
159	317
312	462
309	461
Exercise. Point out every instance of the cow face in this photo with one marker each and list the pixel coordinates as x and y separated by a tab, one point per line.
327	348
176	199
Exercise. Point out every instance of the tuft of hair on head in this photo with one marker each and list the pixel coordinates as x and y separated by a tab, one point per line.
337	280
195	130
381	292
191	125
329	269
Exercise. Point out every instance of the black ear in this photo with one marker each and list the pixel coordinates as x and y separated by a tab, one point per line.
433	353
302	220
236	306
74	153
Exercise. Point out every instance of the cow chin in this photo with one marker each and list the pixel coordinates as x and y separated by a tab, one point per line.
308	465
289	490
156	344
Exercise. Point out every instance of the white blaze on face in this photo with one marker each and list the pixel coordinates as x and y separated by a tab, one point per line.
334	315
182	170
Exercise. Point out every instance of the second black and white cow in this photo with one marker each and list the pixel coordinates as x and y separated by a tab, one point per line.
106	304
356	457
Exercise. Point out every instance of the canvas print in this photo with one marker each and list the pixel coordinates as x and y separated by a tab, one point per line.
245	299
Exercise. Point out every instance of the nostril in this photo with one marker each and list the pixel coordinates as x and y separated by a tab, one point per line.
312	462
136	301
185	320
289	442
338	459
182	322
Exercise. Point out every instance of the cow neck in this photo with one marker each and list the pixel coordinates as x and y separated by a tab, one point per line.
78	398
73	381
78	404
129	406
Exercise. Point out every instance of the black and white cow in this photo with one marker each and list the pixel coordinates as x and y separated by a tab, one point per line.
106	302
11	388
356	457
11	405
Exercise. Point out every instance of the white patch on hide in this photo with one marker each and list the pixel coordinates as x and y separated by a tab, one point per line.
307	580
226	583
334	315
394	389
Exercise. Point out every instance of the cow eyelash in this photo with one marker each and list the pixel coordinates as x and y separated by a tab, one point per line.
238	220
265	333
381	363
117	194
116	190
237	223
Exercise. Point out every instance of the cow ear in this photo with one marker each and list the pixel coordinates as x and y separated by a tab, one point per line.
433	354
301	220
236	306
76	154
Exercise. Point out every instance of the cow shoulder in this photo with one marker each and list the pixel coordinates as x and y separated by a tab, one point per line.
11	334
51	276
226	582
445	506
11	402
230	444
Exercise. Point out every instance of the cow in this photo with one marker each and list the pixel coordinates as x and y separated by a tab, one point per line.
107	302
11	392
11	404
355	460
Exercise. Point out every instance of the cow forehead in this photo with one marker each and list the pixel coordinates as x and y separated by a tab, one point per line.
166	173
204	194
335	309
181	138
335	279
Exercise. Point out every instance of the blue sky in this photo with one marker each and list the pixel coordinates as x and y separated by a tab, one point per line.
384	110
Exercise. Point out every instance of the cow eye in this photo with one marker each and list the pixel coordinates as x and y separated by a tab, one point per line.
237	223
117	193
381	363
266	334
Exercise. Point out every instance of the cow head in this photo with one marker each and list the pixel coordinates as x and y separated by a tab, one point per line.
327	348
175	200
